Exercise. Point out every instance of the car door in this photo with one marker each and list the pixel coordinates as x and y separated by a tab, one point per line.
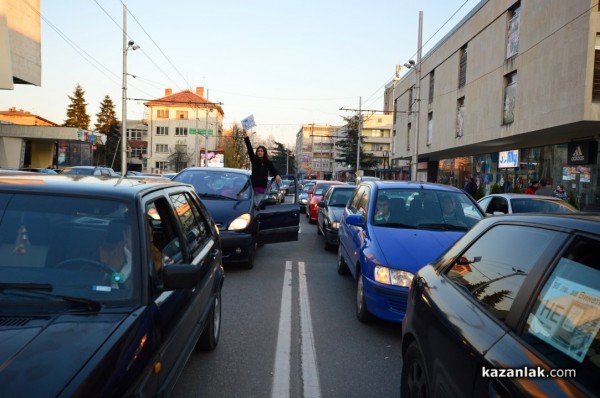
279	222
354	235
181	239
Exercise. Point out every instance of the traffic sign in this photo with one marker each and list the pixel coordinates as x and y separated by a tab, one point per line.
201	131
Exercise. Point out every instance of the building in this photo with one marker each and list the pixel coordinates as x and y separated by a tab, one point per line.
14	116
510	94
177	125
315	151
377	140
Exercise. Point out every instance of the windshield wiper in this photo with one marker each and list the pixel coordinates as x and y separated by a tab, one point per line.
447	227
43	289
395	225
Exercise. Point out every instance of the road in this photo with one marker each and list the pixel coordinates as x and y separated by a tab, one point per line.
289	330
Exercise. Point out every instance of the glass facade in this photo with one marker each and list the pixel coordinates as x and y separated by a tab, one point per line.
556	163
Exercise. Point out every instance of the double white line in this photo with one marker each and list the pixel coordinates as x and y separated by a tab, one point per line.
281	375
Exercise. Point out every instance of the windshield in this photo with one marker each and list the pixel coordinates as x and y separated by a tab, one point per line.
417	208
210	184
72	247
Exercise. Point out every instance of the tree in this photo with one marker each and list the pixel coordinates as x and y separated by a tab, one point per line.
107	123
76	111
234	148
347	148
279	156
179	157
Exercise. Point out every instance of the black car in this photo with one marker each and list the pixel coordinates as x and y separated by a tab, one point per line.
244	224
107	285
512	309
330	211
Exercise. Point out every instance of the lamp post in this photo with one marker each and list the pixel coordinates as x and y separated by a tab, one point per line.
126	46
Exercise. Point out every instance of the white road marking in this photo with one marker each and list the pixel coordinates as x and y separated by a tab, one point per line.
310	376
281	374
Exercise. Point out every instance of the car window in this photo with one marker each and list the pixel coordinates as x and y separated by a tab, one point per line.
539	205
564	323
494	268
484	202
164	233
363	203
355	200
340	197
195	230
498	204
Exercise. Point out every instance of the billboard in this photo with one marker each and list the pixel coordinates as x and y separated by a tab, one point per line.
216	158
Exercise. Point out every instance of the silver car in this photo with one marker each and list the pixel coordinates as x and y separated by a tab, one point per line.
507	203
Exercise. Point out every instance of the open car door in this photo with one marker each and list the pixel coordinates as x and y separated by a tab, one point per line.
279	221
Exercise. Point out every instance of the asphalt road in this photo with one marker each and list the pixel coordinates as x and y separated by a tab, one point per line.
289	330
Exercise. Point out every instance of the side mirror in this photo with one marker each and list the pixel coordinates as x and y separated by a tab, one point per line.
355	220
321	204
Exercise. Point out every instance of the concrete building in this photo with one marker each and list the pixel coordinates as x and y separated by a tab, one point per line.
178	122
510	94
315	151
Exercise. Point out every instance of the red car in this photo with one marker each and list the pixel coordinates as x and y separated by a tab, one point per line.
315	197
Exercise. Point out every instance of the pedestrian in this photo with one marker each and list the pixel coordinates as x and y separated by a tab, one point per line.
471	187
559	192
261	166
531	188
544	189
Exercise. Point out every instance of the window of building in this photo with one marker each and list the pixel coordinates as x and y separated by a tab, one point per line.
596	81
135	134
410	99
162	165
182	115
429	128
162	148
138	152
512	37
162	130
462	70
408	133
431	84
460	115
181	131
510	92
162	113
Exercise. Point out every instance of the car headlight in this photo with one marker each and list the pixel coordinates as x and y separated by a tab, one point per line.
303	201
393	277
240	223
334	224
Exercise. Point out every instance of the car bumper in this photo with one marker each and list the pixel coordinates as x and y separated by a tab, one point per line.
385	301
331	236
236	246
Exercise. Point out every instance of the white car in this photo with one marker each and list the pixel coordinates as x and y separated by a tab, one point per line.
507	203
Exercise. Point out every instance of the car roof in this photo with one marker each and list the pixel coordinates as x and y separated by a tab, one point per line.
411	185
521	196
217	169
81	185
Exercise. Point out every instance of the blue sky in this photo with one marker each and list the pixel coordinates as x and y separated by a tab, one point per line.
287	63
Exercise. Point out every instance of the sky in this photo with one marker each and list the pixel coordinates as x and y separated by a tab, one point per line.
287	63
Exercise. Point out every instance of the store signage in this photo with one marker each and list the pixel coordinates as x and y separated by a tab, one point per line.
508	159
581	152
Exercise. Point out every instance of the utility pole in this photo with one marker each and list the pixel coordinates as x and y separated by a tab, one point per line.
415	158
206	133
359	135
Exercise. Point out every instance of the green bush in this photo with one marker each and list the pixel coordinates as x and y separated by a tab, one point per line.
496	189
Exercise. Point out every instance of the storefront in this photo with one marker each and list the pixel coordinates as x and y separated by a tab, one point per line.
572	165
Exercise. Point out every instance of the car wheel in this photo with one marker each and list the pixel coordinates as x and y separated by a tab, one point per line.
210	336
249	264
342	267
413	379
362	312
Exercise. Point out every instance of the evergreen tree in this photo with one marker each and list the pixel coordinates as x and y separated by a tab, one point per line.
76	112
234	148
281	161
347	148
107	123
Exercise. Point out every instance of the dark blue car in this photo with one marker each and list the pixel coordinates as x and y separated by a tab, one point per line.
228	195
390	230
107	285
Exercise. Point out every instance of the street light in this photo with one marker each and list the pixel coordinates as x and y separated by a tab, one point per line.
127	45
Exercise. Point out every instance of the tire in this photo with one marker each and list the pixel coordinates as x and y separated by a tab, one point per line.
210	336
342	267
362	312
249	264
413	381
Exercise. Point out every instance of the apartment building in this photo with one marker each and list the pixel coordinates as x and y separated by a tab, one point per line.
315	151
183	122
510	94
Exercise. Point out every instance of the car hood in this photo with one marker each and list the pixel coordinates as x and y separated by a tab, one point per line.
411	249
224	211
40	355
336	213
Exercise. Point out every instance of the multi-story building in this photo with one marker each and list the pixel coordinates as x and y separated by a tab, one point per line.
510	94
376	140
315	151
184	122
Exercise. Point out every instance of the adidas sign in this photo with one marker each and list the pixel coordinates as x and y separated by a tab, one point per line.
577	155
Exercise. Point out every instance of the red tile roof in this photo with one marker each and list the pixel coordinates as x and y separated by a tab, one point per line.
187	98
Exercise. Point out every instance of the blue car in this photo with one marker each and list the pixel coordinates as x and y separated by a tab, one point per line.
389	230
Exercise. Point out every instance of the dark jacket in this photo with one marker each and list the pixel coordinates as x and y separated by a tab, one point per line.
260	169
